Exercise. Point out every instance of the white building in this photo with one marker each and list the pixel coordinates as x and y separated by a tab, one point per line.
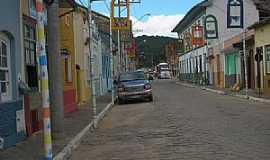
216	22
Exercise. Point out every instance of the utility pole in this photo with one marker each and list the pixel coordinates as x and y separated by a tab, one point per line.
119	40
93	87
56	81
41	47
245	62
111	55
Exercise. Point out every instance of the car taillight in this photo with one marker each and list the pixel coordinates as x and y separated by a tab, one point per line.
147	86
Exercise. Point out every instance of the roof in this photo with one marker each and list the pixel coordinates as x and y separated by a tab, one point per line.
67	3
262	5
260	23
101	15
192	14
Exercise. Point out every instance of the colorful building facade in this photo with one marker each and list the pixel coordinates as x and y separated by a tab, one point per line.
209	15
262	48
12	119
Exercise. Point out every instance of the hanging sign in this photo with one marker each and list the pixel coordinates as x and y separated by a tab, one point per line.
197	36
235	14
131	49
126	35
211	27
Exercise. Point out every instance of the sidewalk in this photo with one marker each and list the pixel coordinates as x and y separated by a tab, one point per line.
251	94
32	147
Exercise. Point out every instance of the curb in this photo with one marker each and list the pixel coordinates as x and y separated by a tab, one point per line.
186	85
214	91
259	99
262	100
73	144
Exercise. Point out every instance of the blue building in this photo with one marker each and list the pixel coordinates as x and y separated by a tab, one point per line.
103	25
12	121
106	63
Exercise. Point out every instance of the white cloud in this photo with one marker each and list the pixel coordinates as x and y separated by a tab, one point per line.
158	25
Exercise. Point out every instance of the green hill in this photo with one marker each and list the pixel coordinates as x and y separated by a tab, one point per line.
152	48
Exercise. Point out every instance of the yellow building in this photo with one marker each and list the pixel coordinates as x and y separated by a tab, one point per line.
75	51
262	44
81	36
68	58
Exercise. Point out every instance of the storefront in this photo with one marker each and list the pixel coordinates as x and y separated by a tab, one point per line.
262	55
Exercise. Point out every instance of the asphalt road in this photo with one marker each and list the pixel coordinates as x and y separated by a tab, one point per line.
181	123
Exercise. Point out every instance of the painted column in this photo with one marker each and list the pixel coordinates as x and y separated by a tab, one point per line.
44	81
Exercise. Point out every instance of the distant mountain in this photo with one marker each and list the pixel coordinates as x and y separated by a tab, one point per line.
152	47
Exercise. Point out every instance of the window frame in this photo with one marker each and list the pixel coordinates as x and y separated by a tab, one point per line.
267	59
241	5
8	94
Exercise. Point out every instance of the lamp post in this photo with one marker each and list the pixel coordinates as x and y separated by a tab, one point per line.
93	87
91	61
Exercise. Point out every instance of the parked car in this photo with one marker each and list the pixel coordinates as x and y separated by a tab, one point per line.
133	85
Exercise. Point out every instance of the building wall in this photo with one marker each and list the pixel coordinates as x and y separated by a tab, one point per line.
219	10
82	52
188	71
67	42
261	39
12	129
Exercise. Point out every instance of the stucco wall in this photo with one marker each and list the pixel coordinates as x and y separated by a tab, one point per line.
262	38
219	10
11	22
81	51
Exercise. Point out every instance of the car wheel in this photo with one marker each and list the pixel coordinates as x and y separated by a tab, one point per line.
151	98
120	101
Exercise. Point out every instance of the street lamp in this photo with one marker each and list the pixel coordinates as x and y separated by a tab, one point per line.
145	15
138	30
93	93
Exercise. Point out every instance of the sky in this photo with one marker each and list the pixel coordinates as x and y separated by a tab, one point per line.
165	14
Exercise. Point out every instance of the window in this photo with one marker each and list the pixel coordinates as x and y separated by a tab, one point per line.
30	55
32	8
211	27
5	90
235	13
68	69
267	59
30	45
67	21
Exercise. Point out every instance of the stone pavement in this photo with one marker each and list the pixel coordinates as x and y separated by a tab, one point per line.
32	147
181	124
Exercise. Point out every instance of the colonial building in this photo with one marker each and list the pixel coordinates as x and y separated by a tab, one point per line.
20	100
103	26
82	55
204	31
191	33
262	56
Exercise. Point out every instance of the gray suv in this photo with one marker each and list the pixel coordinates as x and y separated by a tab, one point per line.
133	85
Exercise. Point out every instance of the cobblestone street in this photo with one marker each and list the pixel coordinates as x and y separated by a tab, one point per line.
181	123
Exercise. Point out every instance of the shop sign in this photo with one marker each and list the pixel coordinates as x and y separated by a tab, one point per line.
121	24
